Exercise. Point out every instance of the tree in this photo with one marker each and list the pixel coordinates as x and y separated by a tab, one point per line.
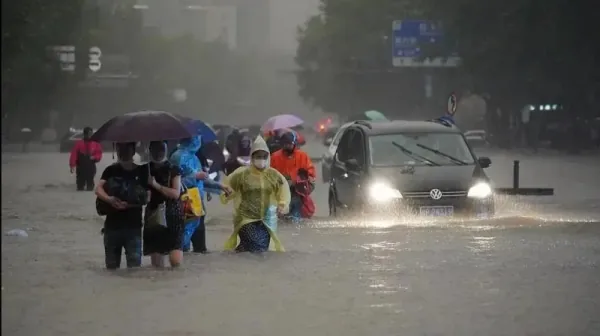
344	55
517	51
29	72
524	50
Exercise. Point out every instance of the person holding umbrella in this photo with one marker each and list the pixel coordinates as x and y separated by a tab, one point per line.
275	126
119	186
122	184
194	176
164	217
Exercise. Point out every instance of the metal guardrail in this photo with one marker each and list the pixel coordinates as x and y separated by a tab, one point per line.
516	188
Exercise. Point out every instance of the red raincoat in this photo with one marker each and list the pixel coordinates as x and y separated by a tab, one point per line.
82	147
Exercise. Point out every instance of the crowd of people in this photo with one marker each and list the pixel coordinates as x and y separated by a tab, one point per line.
158	209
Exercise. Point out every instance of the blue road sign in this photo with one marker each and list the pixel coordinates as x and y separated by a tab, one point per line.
410	35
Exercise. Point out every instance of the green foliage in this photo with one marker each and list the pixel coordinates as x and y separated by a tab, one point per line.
517	51
532	49
341	50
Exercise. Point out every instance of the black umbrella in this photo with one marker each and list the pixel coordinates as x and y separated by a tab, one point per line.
145	126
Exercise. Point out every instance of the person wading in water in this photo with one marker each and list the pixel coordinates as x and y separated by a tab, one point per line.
84	156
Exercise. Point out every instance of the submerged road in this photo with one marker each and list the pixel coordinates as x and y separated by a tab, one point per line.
534	270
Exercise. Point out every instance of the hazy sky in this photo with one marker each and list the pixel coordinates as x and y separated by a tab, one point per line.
286	15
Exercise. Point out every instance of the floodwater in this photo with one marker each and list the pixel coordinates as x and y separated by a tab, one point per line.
534	270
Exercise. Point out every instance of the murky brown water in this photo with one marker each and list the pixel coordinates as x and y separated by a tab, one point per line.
507	276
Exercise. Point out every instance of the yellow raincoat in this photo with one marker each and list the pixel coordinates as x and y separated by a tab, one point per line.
254	191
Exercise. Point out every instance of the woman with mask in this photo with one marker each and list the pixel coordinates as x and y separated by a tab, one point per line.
163	219
123	224
260	194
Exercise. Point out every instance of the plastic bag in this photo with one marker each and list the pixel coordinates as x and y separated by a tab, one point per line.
270	219
192	203
158	216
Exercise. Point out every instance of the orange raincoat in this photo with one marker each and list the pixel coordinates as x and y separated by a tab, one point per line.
288	165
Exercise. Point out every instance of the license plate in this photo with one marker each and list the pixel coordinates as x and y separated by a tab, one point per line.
437	211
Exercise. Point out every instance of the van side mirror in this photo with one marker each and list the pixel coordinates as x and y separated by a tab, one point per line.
484	162
352	164
328	141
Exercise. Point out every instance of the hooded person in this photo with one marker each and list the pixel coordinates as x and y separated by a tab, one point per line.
84	156
260	194
193	176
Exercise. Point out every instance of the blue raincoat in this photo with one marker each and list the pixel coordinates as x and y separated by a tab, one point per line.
185	157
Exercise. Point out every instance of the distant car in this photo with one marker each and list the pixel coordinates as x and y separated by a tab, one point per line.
328	135
407	167
326	127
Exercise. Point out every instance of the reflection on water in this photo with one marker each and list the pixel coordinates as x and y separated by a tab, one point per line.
481	244
508	213
352	276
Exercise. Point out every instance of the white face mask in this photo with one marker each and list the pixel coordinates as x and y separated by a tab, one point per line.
260	163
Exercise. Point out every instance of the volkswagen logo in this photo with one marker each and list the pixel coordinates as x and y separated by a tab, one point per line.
435	194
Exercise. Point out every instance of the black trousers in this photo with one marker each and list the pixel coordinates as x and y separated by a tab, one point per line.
84	176
199	237
115	241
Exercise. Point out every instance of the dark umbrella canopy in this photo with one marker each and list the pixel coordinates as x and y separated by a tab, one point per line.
204	130
145	126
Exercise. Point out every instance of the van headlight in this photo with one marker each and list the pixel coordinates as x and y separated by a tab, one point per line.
480	190
382	192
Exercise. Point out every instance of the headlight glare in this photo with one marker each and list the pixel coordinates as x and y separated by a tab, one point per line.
381	192
480	190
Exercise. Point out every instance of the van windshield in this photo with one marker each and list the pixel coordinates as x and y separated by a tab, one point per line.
420	149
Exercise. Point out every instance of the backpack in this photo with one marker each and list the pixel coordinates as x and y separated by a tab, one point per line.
303	188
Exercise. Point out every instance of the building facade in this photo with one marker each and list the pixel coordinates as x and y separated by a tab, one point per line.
242	24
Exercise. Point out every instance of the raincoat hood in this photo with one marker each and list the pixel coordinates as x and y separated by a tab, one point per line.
185	158
259	145
191	145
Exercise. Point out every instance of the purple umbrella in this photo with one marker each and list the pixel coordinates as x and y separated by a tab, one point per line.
281	121
145	126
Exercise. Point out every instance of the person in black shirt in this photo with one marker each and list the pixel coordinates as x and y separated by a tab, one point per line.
242	151
161	238
123	226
